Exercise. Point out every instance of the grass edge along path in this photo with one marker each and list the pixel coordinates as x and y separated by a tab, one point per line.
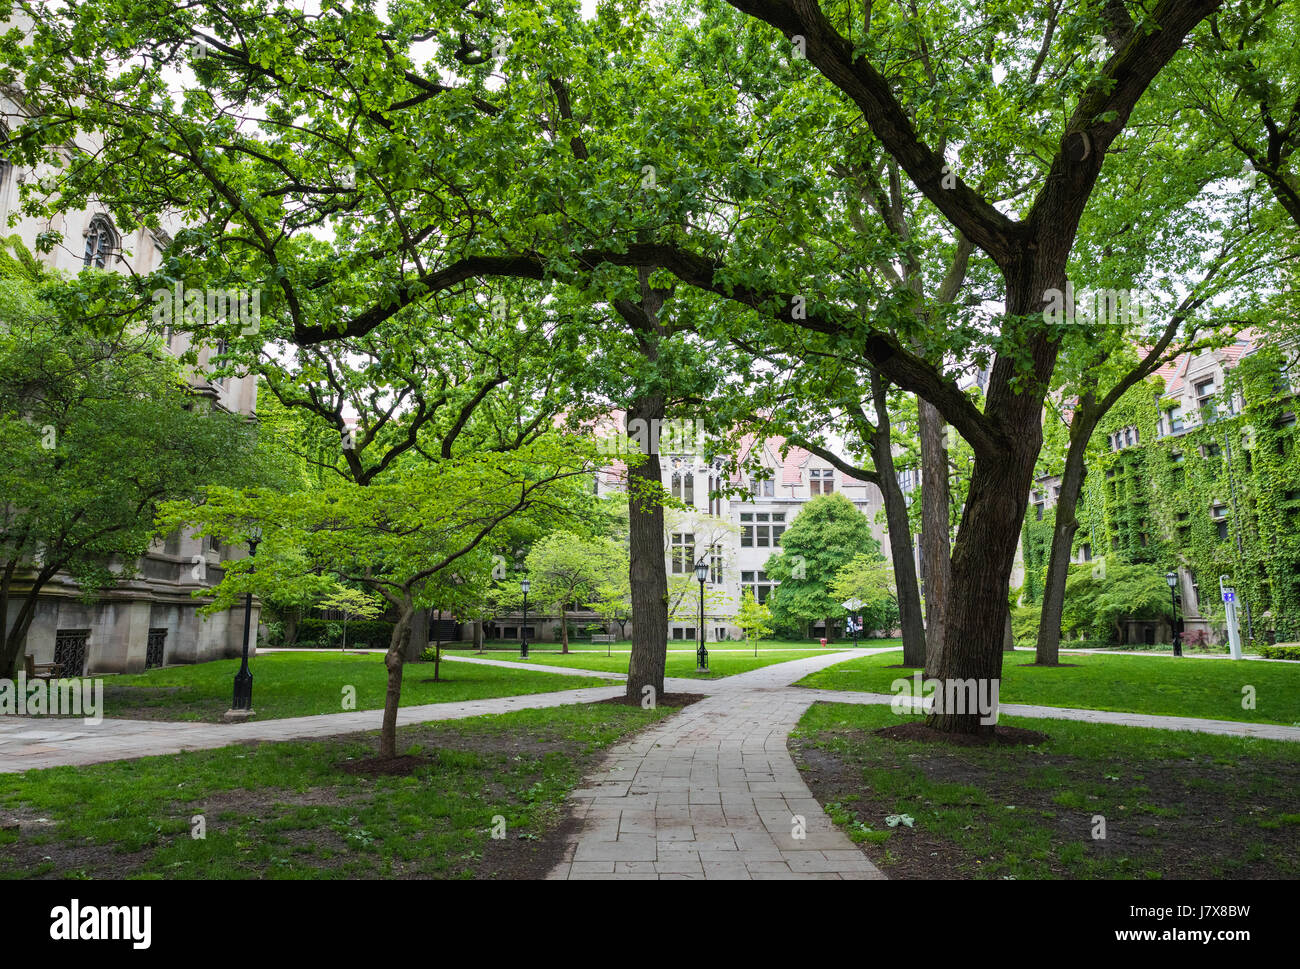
1213	689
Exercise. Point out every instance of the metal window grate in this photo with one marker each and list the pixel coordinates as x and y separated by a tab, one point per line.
153	651
70	650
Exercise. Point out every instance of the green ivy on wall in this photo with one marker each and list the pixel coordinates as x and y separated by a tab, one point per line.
1221	498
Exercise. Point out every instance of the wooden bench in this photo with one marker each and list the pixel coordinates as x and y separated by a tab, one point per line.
604	638
41	671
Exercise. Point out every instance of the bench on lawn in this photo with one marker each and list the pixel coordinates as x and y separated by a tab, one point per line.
41	671
604	638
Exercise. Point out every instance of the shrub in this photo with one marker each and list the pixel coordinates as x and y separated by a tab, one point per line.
1024	622
1282	651
328	633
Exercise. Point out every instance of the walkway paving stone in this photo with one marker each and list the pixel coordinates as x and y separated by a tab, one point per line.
713	793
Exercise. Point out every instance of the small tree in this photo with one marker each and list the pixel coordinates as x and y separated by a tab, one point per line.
869	579
354	604
568	568
823	538
753	618
414	536
613	602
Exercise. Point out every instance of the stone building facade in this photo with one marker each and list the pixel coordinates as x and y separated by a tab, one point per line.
151	619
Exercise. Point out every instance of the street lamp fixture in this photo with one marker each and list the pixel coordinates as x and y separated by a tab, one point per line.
1171	579
243	699
524	586
702	655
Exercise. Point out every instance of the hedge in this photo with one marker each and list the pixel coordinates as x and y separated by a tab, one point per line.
1287	651
328	633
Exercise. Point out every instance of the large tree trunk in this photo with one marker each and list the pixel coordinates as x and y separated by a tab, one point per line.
981	571
1058	562
647	571
976	608
936	552
900	532
394	660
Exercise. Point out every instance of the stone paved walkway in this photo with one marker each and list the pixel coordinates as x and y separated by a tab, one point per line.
713	793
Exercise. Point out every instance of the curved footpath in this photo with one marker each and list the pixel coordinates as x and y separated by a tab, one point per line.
713	793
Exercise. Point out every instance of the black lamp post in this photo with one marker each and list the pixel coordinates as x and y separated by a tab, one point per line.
702	657
244	678
525	585
1171	579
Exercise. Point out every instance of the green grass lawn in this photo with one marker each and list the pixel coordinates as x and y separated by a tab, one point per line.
303	683
286	810
725	659
1175	804
1209	688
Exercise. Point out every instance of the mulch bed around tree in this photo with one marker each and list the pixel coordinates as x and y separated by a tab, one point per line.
674	701
1002	736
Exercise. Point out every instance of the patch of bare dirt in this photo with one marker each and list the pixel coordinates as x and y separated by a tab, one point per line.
1001	736
1190	818
674	701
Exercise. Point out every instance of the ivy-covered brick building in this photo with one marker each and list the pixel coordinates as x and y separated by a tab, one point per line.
1196	470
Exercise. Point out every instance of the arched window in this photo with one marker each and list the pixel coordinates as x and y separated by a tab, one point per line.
101	240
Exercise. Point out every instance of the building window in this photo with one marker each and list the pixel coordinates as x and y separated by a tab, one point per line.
758	583
762	488
821	482
214	544
70	650
683	552
1223	530
154	649
715	564
684	487
222	348
1176	420
101	240
1205	401
761	529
